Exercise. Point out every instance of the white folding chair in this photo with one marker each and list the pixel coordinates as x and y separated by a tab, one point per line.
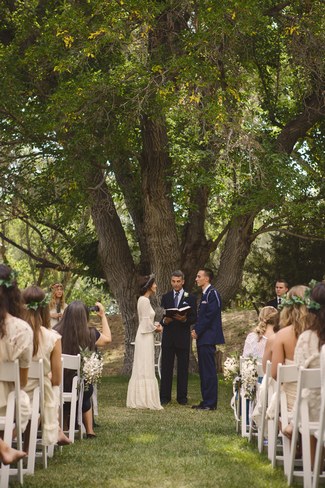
244	405
308	378
36	371
263	401
320	433
285	374
260	374
71	362
9	371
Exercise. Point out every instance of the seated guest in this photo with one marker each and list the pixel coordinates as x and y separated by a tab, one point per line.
9	455
16	339
293	321
76	336
256	341
46	346
57	304
307	352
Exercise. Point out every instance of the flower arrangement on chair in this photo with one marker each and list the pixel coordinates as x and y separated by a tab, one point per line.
92	365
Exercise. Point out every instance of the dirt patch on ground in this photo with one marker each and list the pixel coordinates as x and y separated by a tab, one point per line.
236	325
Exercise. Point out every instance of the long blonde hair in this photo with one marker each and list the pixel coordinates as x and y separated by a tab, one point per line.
295	313
267	316
53	301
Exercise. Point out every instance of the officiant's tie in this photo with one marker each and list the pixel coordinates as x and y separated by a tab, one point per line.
176	299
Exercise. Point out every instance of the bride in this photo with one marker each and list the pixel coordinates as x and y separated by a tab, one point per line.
143	391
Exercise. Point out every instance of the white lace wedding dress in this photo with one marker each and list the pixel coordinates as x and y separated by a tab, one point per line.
143	391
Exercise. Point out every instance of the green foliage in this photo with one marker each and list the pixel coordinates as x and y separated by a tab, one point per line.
79	76
288	257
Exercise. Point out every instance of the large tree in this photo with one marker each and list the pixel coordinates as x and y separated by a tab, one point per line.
183	127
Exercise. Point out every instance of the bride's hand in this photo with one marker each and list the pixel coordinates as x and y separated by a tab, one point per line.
158	327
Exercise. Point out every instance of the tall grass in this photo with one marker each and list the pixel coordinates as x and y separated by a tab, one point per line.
177	448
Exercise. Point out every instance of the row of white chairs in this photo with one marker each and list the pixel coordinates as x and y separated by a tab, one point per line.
280	449
11	422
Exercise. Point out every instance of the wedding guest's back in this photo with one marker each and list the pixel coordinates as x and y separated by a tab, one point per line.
256	340
16	338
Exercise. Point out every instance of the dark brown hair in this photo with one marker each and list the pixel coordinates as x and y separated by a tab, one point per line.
74	329
146	283
10	297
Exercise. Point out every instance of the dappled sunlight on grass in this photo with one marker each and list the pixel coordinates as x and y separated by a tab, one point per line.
174	448
143	438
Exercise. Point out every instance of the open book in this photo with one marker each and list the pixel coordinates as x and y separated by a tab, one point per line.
171	312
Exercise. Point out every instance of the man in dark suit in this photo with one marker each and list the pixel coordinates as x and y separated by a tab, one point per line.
208	332
176	340
281	288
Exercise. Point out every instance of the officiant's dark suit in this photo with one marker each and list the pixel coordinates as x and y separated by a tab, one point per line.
176	339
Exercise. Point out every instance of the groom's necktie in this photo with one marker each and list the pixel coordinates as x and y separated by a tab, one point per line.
176	299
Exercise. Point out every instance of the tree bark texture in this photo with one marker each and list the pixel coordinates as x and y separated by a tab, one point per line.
236	249
116	260
159	218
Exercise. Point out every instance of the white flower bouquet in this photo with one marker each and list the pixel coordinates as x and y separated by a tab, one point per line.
249	378
231	368
91	367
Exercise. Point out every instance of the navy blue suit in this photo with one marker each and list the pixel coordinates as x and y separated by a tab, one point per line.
208	329
176	339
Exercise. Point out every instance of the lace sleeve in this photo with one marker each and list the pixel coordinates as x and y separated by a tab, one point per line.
250	345
146	314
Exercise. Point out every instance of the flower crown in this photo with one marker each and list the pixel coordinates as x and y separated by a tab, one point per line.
41	304
305	300
10	281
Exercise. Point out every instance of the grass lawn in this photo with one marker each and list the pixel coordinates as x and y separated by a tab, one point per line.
177	448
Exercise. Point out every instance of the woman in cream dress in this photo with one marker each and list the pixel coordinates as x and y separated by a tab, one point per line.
57	304
293	321
143	390
47	346
16	340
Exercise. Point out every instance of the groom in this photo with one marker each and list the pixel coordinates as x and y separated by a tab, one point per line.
176	340
208	332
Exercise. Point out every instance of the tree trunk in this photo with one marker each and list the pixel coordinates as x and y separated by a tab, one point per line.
159	218
116	259
236	249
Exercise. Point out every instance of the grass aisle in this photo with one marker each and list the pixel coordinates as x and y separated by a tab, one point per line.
177	448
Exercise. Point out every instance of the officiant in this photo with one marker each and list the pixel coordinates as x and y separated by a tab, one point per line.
176	338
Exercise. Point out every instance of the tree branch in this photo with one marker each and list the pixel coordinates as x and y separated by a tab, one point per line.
43	262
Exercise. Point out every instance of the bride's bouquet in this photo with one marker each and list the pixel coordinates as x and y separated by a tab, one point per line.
249	378
92	365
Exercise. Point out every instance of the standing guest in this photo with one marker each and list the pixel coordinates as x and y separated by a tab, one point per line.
176	340
47	346
208	332
281	289
143	391
57	304
256	341
16	339
76	336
